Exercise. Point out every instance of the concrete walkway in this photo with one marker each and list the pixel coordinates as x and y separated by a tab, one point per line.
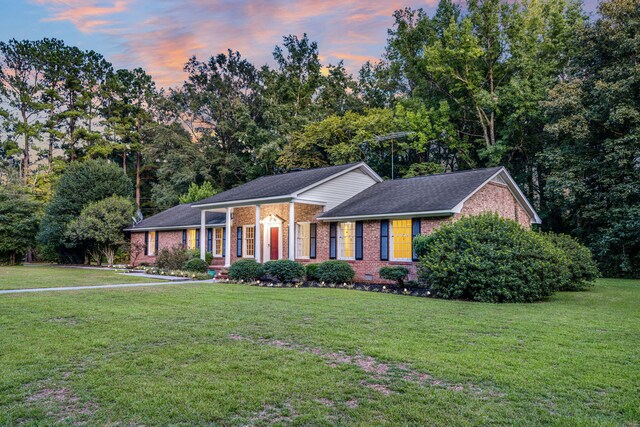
80	288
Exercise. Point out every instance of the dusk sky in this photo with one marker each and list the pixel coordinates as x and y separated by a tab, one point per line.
160	35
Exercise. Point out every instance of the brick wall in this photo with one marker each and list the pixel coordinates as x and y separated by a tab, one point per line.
166	239
495	197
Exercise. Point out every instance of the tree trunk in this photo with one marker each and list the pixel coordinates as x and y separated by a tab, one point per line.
138	156
25	160
124	161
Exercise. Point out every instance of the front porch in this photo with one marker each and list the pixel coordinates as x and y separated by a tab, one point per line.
264	232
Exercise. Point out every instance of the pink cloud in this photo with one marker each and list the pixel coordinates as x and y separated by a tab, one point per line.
84	15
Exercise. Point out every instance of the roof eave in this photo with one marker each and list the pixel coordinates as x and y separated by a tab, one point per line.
447	212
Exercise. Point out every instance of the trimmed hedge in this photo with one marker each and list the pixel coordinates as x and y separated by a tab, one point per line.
197	265
335	272
490	259
311	271
396	273
583	270
246	269
285	270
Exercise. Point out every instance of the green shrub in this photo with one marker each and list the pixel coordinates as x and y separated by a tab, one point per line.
335	272
195	253
173	258
311	271
396	273
246	269
284	270
197	265
583	270
490	259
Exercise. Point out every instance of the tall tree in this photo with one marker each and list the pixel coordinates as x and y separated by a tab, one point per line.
593	156
20	87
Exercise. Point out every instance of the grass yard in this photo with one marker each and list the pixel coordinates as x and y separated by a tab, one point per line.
205	354
49	276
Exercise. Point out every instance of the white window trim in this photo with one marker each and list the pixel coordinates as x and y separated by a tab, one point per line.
213	242
391	238
298	242
151	243
244	240
340	245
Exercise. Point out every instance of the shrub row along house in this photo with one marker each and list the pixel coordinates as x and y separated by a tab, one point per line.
344	212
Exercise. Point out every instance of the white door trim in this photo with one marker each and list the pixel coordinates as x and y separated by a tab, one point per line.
267	223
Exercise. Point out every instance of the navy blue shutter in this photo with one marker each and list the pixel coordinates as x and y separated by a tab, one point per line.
384	240
146	243
157	242
198	238
359	230
210	240
333	240
312	241
184	238
415	230
224	241
239	242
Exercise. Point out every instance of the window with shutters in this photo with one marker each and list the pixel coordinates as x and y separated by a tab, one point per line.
191	238
219	241
346	240
303	242
151	243
401	249
249	240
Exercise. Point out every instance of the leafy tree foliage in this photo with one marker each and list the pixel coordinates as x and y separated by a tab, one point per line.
81	184
198	192
99	227
19	221
593	158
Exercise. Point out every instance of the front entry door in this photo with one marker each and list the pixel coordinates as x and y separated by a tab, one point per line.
273	243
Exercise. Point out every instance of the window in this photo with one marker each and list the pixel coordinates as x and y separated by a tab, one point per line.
249	240
401	246
219	238
303	242
151	243
191	238
347	240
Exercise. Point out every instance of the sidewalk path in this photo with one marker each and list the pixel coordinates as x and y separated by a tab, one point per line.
79	288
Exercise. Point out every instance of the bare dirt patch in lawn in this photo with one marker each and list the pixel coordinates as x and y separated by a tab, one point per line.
60	402
381	376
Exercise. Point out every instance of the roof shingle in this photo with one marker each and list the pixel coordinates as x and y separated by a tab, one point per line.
179	216
431	193
275	185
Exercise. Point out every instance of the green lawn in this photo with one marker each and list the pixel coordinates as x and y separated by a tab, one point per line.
44	276
205	354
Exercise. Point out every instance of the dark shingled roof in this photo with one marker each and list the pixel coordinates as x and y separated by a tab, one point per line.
179	216
420	194
275	185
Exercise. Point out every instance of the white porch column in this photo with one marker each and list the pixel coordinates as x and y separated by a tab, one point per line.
227	243
203	234
292	228
257	236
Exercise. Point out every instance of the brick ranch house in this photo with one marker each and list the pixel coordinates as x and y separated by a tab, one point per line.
344	212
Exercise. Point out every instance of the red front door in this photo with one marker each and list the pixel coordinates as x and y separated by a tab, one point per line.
273	243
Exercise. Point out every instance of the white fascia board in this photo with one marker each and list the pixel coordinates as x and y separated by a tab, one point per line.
173	227
361	165
246	202
388	215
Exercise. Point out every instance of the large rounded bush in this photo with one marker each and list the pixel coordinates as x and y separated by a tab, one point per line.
396	273
284	270
490	259
583	270
311	271
246	269
335	272
196	264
